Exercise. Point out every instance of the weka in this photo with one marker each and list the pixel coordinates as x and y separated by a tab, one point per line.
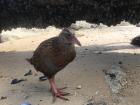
53	55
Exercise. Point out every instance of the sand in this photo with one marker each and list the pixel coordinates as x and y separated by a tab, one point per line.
101	48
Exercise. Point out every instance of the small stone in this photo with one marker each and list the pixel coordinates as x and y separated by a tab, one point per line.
90	104
26	97
3	97
79	87
135	54
28	73
15	81
138	25
99	52
26	103
120	62
96	92
43	78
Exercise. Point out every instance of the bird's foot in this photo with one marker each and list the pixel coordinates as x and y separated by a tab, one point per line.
59	89
60	95
61	92
62	88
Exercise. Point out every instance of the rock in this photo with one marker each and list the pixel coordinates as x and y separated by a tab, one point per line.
20	33
26	97
101	25
61	13
79	87
138	25
93	101
15	81
82	25
28	73
136	41
3	97
96	92
124	23
116	78
25	103
90	104
43	78
120	62
99	52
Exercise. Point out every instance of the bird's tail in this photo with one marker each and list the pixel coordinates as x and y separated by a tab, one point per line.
29	60
136	41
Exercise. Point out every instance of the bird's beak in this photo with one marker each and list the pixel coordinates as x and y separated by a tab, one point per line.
76	41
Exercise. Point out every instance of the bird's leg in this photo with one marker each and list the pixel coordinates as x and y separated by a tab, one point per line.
60	89
55	90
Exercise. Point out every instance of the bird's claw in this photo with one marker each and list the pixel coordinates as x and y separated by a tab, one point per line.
62	88
64	93
60	95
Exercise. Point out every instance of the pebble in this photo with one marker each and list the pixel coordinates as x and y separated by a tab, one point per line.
90	104
138	25
28	73
15	81
26	97
79	87
99	52
120	62
3	97
43	78
25	103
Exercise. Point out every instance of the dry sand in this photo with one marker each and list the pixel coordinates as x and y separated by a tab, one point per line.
101	48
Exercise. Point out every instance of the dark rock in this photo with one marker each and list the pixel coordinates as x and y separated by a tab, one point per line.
43	78
28	73
15	81
42	13
116	78
120	62
3	97
138	25
136	41
99	52
90	104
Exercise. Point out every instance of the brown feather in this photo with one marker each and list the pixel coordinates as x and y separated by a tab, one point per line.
52	55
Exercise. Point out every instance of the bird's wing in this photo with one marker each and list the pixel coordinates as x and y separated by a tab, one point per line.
51	54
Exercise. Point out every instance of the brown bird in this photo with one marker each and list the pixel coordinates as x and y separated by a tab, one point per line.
53	55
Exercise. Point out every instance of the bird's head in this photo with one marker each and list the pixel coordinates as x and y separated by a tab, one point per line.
69	37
